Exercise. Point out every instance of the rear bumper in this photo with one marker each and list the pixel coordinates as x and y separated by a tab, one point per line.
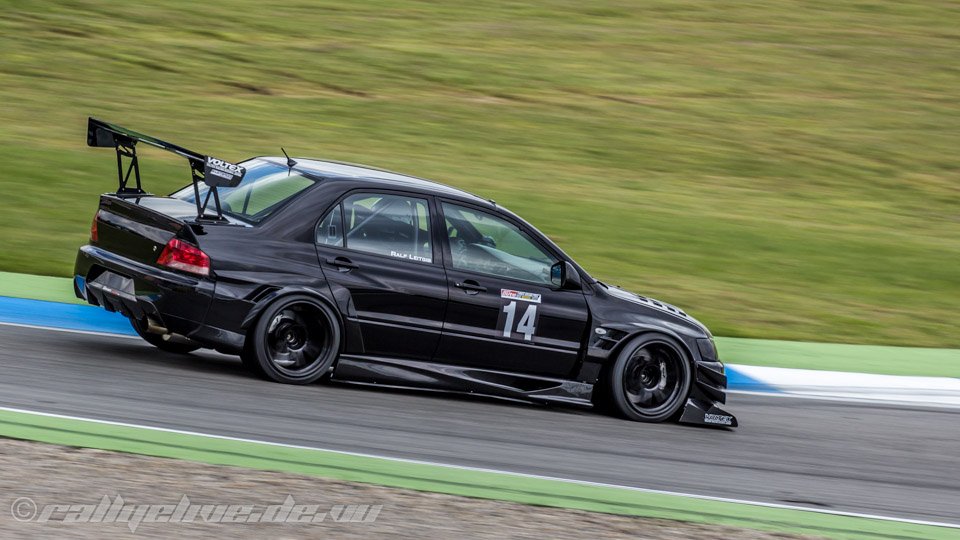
175	301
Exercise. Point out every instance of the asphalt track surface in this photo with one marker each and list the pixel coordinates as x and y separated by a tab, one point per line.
886	460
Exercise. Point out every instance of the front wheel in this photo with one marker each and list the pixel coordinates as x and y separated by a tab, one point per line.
164	342
295	341
650	380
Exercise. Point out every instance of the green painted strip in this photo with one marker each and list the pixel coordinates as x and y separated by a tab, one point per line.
915	361
51	289
454	481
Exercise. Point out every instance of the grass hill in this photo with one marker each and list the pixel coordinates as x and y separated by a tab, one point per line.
782	169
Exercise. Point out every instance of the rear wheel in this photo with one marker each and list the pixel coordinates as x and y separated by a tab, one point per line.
295	341
164	342
650	380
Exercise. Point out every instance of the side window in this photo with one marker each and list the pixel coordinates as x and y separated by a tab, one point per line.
482	242
393	225
330	229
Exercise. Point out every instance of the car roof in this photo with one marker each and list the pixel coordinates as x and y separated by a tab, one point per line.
350	171
339	170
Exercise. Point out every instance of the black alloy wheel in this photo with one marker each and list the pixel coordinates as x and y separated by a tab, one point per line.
295	341
650	380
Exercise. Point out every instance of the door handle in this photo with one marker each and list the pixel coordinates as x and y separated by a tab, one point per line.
470	286
343	264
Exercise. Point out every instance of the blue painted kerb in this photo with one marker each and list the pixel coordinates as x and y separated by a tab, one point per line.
59	315
737	380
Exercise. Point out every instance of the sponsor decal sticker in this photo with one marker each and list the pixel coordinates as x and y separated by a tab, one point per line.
409	256
721	419
221	174
223	166
511	294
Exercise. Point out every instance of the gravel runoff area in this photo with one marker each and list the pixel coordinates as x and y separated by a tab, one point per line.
50	474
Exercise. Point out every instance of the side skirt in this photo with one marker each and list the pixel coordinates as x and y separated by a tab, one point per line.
400	373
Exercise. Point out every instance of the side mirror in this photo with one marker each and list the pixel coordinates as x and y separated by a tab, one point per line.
563	275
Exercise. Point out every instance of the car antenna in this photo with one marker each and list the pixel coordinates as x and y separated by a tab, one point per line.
290	162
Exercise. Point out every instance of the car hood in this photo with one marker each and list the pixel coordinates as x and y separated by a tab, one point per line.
632	306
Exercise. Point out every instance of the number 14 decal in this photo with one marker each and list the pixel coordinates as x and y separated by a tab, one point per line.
526	325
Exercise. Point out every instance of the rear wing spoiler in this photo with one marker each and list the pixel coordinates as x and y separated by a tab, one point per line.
211	171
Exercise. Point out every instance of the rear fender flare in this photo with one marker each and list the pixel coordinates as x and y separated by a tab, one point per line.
273	296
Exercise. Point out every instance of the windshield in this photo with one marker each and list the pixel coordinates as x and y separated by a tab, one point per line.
264	188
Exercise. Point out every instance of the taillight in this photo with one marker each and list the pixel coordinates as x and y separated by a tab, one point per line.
94	233
184	256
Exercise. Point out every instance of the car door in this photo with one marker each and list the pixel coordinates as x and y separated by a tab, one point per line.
384	270
504	313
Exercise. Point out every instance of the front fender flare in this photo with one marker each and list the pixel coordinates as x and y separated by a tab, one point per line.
633	330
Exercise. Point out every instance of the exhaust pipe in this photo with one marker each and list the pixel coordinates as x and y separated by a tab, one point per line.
154	328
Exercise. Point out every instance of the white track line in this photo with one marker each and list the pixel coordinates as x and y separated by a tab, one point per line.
840	399
495	471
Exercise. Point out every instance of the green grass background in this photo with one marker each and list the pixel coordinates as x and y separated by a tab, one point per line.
781	169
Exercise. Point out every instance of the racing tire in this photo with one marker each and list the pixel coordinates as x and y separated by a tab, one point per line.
294	341
649	381
161	341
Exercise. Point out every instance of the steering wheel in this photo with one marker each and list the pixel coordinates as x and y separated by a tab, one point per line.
458	246
459	249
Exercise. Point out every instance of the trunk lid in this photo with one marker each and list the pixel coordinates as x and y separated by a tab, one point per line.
138	228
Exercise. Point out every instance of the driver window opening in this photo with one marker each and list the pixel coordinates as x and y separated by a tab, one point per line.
481	242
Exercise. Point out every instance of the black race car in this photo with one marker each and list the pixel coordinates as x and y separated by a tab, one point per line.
309	269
